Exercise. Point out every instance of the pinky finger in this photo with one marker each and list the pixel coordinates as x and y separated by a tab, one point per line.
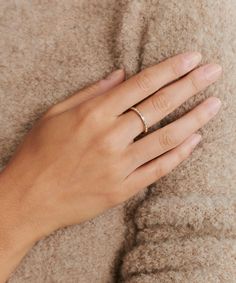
159	167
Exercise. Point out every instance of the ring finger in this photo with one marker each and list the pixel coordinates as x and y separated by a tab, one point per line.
170	136
167	99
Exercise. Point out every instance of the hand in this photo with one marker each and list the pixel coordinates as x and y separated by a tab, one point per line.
81	159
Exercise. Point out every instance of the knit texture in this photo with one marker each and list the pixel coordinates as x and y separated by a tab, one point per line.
182	228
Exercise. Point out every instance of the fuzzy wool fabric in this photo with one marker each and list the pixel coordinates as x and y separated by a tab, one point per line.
183	227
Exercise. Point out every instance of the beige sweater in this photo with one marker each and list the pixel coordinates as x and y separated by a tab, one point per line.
184	231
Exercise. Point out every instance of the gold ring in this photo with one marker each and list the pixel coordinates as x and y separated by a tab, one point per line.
141	117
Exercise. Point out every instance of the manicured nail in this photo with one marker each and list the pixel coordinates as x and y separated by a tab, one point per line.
195	139
214	105
114	74
212	71
191	59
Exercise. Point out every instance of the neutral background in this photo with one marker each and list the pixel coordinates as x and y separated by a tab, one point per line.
185	229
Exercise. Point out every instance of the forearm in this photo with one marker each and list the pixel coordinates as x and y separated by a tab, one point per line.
11	253
16	235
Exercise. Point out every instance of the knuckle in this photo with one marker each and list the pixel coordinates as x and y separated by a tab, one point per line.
135	156
143	80
87	118
160	103
159	171
166	140
107	145
175	67
89	113
193	83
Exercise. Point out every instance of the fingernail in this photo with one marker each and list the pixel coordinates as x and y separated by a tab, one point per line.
214	105
191	59
114	74
212	71
195	139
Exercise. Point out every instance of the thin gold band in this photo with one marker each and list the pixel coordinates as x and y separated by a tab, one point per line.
141	117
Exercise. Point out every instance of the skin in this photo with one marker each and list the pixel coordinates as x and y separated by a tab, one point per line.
80	158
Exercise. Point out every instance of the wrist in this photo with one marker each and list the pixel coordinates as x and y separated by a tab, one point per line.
17	234
16	218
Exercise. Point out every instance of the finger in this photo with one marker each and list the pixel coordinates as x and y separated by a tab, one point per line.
96	89
172	135
149	80
168	99
159	167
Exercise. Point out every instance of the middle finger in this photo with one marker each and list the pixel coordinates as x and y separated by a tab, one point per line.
167	99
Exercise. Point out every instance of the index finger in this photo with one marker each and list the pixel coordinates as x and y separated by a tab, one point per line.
148	81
